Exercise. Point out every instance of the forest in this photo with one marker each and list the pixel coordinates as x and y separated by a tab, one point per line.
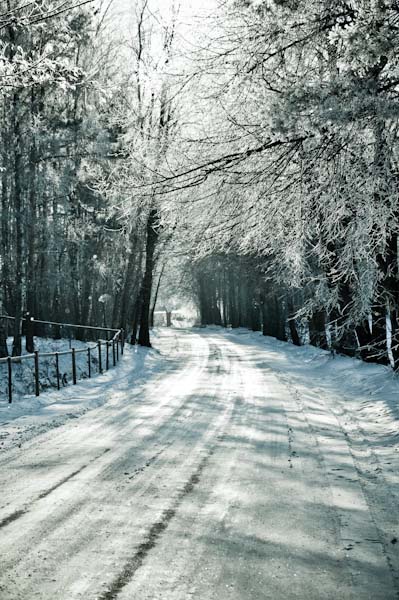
242	156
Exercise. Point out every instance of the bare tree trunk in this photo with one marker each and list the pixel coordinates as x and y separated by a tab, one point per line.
291	322
152	237
156	296
3	330
136	316
5	216
29	329
4	252
31	291
255	316
317	329
18	289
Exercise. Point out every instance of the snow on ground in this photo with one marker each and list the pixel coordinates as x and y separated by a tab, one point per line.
369	391
351	410
29	415
224	465
23	372
357	390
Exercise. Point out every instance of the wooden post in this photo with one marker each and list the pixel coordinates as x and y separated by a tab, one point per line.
89	360
57	369
100	364
74	366
117	349
30	330
113	352
107	357
37	383
9	364
122	340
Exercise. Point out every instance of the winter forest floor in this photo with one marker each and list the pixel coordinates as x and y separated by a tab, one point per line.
217	465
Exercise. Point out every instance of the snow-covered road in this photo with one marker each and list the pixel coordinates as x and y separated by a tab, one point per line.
222	476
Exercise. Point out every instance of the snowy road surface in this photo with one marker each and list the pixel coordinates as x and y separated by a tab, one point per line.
223	476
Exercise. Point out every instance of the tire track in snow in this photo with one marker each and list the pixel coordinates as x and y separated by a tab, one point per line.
122	375
17	514
208	405
156	530
154	533
21	512
347	537
161	434
149	579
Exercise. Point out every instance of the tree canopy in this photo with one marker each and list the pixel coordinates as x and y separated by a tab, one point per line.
252	146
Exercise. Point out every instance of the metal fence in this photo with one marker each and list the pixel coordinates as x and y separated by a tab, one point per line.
102	353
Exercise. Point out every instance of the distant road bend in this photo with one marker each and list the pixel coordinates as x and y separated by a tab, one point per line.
213	481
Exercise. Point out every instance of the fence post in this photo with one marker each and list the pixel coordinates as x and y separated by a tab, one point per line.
117	348
100	367
113	352
74	366
37	384
107	356
30	331
57	369
89	360
9	363
122	340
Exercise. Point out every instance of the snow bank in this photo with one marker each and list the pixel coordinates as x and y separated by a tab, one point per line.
23	372
30	415
352	388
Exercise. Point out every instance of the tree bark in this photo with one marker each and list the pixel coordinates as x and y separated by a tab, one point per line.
30	330
156	296
3	338
136	317
292	323
152	237
18	289
317	329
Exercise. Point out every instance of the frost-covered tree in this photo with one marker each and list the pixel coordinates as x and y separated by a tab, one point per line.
301	148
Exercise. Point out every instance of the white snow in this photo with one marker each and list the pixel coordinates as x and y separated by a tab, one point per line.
370	391
23	372
367	391
29	415
217	465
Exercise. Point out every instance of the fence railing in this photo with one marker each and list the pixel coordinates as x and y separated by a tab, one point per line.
104	353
